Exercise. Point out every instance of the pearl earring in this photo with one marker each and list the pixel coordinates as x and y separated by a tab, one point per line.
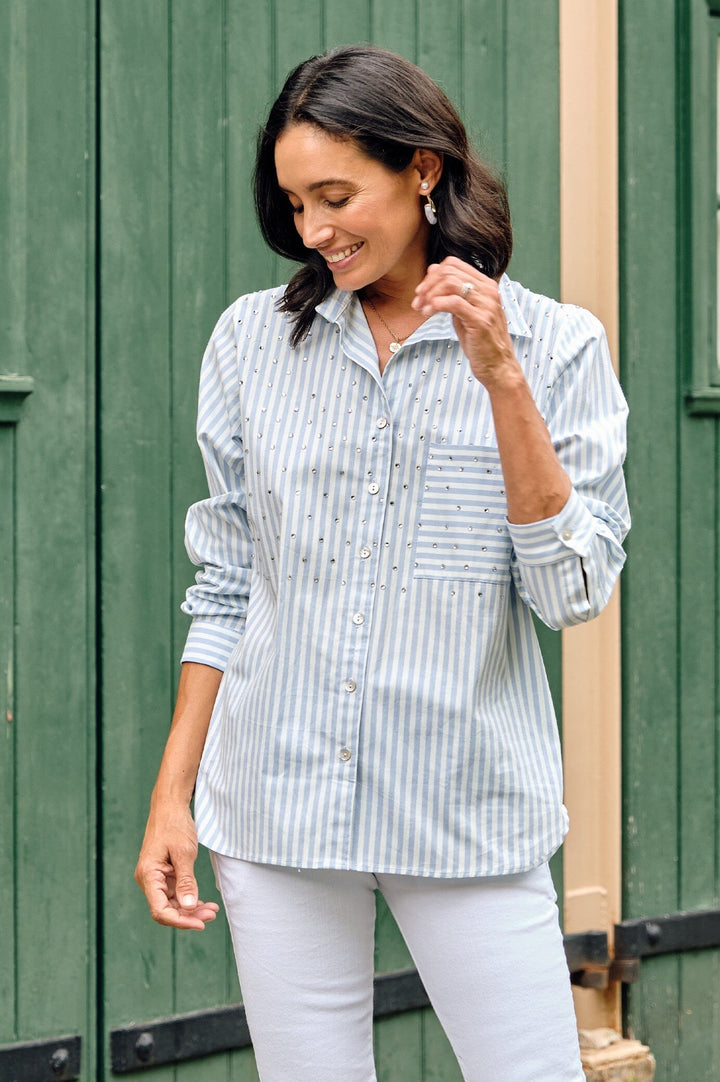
429	208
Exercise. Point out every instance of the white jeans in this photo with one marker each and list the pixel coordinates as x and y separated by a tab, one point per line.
489	952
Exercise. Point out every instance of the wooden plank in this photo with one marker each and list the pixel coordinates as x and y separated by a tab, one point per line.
648	291
391	953
484	73
7	729
648	328
439	1063
533	141
242	1067
699	1019
398	1048
136	439
394	27
699	520
11	179
251	85
298	34
439	46
344	22
52	200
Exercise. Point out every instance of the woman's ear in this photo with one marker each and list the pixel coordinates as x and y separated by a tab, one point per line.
429	164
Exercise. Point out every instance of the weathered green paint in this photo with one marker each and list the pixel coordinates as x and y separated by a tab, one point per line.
180	113
671	586
697	115
180	94
47	296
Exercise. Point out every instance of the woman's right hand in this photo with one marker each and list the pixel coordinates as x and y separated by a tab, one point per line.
164	870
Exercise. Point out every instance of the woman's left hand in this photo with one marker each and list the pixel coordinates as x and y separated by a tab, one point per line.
477	314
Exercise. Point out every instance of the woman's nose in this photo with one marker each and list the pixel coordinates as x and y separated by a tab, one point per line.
316	229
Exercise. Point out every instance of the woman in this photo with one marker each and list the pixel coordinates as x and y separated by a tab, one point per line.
406	453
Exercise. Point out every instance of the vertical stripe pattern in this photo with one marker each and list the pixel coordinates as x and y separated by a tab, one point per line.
384	705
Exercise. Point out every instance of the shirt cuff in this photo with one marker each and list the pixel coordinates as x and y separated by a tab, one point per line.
547	541
210	642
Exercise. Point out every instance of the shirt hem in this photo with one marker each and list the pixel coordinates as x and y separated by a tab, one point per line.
498	868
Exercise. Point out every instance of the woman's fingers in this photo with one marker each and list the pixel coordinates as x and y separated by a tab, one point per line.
160	889
165	874
451	281
473	300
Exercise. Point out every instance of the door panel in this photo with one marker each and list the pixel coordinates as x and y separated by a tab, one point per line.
180	95
47	297
671	586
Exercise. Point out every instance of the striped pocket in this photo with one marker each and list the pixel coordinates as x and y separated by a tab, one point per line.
462	532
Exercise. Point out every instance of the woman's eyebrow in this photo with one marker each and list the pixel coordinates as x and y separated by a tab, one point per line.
318	184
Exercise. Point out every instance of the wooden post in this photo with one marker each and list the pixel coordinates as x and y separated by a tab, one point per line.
591	653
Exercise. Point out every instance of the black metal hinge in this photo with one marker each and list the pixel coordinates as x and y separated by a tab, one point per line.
672	933
56	1060
224	1029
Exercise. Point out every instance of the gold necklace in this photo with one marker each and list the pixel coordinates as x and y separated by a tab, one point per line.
397	341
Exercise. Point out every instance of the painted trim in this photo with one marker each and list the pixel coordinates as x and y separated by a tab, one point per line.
589	276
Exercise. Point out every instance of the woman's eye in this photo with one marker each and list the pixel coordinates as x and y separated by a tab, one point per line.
296	210
338	203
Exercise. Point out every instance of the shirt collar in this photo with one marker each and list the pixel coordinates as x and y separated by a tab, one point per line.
335	305
517	324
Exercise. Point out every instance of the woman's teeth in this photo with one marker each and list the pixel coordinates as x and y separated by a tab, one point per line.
343	255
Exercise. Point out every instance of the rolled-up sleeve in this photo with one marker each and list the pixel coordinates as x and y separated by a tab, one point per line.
565	567
217	534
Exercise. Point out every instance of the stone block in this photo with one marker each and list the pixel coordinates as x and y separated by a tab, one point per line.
608	1057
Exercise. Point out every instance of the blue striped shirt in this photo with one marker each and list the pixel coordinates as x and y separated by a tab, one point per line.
384	705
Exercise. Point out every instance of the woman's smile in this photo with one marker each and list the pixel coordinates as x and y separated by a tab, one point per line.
344	254
364	219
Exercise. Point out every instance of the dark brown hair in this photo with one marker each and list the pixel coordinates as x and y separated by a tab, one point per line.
389	107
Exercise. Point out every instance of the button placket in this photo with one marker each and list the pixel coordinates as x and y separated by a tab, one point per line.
370	512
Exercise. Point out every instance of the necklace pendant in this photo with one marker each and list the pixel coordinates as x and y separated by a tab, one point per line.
394	347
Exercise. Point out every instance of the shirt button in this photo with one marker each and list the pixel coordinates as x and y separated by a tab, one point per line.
345	755
373	488
350	685
358	619
364	552
382	422
567	535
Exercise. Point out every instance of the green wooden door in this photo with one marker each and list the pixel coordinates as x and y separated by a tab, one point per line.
127	134
47	545
181	99
671	593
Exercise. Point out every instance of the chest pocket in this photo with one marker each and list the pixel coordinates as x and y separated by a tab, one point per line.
462	532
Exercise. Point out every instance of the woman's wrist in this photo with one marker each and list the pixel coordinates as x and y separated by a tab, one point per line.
169	796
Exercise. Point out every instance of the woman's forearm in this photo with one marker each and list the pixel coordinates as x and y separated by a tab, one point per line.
197	691
536	485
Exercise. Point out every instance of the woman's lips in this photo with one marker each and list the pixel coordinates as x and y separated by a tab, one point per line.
336	259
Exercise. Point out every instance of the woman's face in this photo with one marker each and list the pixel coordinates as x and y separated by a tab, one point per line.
363	218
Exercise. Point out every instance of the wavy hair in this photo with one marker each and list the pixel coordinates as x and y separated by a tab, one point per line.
389	108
